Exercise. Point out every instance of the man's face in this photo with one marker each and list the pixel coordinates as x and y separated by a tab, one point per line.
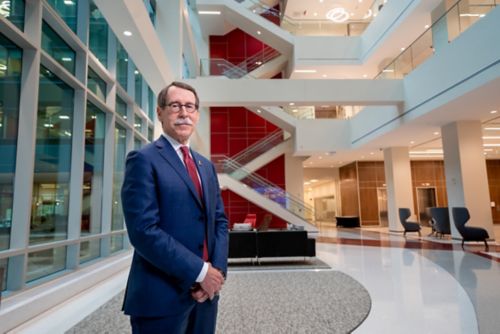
178	125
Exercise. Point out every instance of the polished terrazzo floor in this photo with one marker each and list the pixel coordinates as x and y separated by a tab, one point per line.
416	284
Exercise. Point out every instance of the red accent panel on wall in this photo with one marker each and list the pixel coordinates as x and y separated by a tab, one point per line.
237	207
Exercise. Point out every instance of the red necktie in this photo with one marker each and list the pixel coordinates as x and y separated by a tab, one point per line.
193	174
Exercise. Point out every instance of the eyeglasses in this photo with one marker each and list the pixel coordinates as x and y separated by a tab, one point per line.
176	107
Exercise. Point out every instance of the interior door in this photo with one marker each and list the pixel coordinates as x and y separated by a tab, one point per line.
426	198
382	206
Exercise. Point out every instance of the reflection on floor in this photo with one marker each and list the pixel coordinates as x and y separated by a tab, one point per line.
418	284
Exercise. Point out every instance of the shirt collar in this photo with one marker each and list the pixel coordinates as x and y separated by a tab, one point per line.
175	144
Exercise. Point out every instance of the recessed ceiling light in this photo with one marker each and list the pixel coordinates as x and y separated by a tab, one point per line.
371	153
315	14
209	12
258	32
259	111
435	133
426	26
365	75
491	137
324	75
127	33
320	157
292	103
412	142
492	128
402	49
313	180
493	111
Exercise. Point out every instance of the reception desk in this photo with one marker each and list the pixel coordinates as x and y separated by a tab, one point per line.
347	221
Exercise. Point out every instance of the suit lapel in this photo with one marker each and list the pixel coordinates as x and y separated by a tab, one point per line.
168	153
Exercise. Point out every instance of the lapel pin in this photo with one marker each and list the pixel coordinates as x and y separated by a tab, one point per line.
199	162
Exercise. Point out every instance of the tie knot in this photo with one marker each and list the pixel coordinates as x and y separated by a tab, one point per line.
185	151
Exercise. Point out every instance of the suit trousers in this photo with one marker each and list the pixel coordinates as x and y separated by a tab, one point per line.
199	319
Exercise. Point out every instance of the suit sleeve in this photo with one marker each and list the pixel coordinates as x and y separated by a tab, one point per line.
140	208
219	259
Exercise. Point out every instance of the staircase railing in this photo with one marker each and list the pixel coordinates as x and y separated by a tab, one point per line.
262	186
260	147
217	66
318	27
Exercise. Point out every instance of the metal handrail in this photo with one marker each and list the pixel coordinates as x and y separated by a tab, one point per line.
296	25
399	60
251	152
259	184
252	62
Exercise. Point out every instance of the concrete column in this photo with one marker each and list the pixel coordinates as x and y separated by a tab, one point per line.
399	188
294	181
169	28
465	172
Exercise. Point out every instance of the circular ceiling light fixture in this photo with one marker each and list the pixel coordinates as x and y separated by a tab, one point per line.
337	15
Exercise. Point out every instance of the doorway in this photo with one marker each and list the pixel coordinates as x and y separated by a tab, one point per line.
426	198
382	207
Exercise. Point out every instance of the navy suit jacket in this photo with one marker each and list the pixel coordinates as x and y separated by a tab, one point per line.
166	224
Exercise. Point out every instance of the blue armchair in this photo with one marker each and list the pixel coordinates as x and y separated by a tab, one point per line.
441	219
461	217
404	214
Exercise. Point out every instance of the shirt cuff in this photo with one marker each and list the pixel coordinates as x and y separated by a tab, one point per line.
203	273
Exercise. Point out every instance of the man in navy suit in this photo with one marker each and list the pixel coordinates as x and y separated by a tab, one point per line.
176	222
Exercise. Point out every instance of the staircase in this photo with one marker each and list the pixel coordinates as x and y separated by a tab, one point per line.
263	193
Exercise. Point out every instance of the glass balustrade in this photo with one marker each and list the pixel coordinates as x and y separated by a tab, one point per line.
452	24
222	67
253	151
267	189
352	26
322	112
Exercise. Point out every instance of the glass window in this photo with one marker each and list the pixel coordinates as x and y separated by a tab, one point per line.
138	123
49	211
95	122
121	107
90	250
56	47
3	274
46	262
98	34
150	134
116	243
119	169
137	143
121	65
151	104
66	10
13	11
96	85
138	87
151	8
10	85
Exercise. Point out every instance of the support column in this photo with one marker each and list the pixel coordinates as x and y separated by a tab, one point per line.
465	172
294	180
169	28
398	180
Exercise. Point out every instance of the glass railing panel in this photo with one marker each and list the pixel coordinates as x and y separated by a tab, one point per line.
449	26
260	147
262	186
422	49
322	112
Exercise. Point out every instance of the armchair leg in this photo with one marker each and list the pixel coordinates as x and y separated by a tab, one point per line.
463	244
486	245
